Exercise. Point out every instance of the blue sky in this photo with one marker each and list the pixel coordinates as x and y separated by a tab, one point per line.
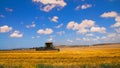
31	23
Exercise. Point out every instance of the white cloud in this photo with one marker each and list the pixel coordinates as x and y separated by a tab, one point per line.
98	29
47	8
78	7
97	39
82	31
68	40
55	2
110	38
59	26
50	39
86	23
109	14
103	37
54	19
117	30
117	19
89	35
16	34
48	5
111	35
9	9
61	32
82	27
85	6
5	28
86	39
85	26
31	25
77	39
71	25
112	14
46	31
91	40
2	16
117	24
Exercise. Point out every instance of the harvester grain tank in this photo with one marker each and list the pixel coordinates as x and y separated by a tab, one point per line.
48	46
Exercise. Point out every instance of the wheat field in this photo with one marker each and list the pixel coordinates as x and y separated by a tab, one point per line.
102	56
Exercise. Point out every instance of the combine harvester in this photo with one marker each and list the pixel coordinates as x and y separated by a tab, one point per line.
48	46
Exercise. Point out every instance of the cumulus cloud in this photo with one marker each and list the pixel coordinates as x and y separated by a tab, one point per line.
48	5
87	23
117	24
82	31
114	15
2	16
85	6
5	28
16	34
109	14
71	24
85	26
98	29
54	19
9	9
31	25
82	27
59	26
46	31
